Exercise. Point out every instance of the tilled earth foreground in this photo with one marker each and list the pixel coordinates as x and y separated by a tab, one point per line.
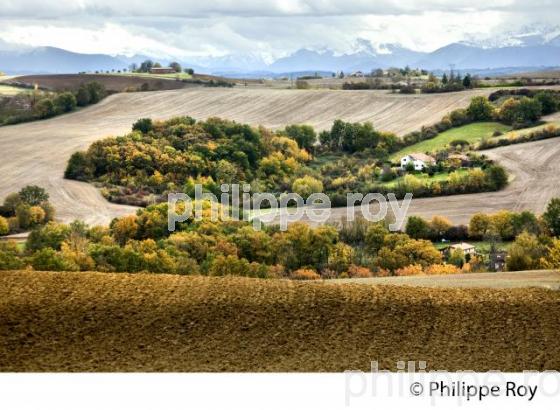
142	322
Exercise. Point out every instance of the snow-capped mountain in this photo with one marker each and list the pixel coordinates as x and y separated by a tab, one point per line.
532	46
527	36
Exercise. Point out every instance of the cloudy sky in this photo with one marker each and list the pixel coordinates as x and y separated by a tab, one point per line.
273	28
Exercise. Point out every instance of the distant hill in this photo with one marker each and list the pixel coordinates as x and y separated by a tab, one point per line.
531	49
55	60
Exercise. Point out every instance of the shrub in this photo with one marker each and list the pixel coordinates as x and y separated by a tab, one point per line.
304	274
480	109
49	260
11	202
4	226
79	167
37	215
44	108
442	270
144	125
417	228
410	270
49	236
497	177
524	110
65	102
10	256
359	272
82	96
302	85
306	186
525	253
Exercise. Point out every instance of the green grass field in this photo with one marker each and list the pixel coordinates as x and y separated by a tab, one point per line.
437	177
9	90
472	133
182	76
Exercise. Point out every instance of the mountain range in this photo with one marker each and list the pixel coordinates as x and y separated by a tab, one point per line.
531	47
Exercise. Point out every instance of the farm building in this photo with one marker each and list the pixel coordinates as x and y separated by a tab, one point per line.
467	249
419	161
162	70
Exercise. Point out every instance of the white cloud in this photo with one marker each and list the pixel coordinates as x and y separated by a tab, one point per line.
194	28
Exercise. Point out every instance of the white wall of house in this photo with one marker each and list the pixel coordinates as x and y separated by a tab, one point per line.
419	165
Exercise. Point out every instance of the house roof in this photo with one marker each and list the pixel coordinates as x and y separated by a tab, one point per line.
463	246
422	157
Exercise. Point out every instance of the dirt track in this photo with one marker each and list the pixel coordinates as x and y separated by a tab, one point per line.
37	152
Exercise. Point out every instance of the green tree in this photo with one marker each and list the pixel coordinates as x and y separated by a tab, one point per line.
551	216
304	135
467	81
479	226
480	109
306	186
549	101
497	177
44	108
65	102
48	259
82	96
52	235
11	202
33	195
96	92
175	66
525	253
4	226
10	256
417	228
144	125
79	167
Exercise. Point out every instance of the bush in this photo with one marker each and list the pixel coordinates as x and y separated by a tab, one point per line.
144	125
10	256
306	186
302	85
442	270
305	274
44	108
82	96
480	109
49	236
65	102
79	167
522	111
49	260
417	228
359	272
4	226
410	270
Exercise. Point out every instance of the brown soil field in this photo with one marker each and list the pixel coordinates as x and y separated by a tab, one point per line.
37	152
123	322
497	280
112	83
143	322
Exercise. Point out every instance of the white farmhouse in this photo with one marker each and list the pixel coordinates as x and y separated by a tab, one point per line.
420	161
